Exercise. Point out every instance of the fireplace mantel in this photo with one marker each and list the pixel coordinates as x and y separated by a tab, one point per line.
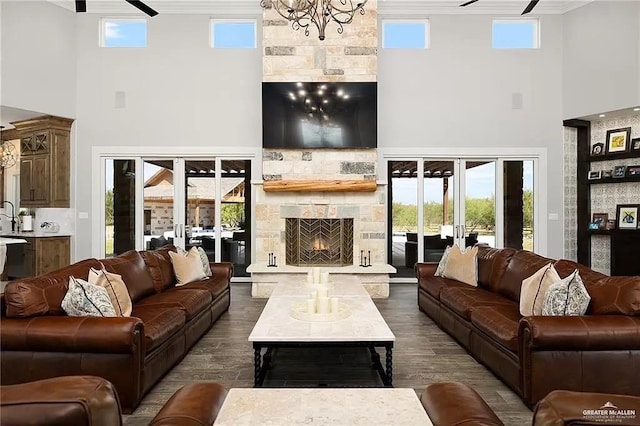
320	186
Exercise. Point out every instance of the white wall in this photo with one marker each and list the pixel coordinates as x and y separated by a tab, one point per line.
179	92
459	94
38	57
601	70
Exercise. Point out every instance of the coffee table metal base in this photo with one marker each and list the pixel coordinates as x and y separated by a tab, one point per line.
262	361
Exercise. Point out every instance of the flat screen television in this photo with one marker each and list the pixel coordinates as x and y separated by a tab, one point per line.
319	115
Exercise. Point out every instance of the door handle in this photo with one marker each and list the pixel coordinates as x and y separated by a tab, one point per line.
457	231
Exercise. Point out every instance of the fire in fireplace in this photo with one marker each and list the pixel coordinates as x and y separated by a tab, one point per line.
319	242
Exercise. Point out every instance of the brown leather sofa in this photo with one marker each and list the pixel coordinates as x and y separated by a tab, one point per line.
39	341
597	352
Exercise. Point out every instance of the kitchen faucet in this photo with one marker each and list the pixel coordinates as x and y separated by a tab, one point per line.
13	215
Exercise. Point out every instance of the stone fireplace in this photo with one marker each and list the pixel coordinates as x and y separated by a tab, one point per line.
318	242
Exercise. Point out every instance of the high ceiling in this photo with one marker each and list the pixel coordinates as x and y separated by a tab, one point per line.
385	7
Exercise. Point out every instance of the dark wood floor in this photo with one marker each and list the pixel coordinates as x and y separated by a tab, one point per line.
423	354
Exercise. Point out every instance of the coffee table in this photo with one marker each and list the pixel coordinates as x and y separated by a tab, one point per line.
303	406
365	327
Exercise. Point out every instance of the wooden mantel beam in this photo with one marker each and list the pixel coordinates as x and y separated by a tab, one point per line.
320	186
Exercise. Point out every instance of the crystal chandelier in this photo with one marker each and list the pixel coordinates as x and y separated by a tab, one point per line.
7	152
303	13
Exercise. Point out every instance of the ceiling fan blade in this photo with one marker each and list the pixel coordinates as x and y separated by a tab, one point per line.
468	3
530	6
81	6
143	7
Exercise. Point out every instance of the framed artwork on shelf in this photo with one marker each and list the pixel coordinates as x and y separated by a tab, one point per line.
618	140
597	149
594	175
635	145
607	173
611	224
633	171
619	171
600	219
627	216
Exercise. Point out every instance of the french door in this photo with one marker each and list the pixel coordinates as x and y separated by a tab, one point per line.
186	201
464	201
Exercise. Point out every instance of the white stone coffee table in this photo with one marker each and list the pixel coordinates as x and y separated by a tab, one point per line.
365	327
303	406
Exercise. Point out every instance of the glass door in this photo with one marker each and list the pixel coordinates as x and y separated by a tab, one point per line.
119	206
478	223
439	203
159	203
402	248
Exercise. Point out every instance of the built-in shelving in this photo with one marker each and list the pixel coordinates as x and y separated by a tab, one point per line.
634	178
616	156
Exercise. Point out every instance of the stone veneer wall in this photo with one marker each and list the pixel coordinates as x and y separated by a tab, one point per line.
605	197
570	148
289	55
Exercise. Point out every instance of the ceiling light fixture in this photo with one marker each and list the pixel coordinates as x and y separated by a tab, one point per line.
526	10
303	13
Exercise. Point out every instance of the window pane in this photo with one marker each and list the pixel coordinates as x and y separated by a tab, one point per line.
515	34
233	35
404	35
123	33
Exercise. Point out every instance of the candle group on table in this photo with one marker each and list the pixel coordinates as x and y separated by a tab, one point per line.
314	276
319	302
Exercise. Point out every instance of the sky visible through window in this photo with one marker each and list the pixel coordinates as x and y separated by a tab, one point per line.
514	35
121	33
404	35
233	34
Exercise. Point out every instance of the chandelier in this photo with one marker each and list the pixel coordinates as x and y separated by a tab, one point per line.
7	152
303	13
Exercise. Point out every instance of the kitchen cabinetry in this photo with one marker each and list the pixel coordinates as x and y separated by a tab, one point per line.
45	254
44	161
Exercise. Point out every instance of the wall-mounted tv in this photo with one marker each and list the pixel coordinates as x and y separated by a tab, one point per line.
319	115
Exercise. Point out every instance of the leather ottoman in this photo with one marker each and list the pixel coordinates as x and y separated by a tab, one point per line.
196	404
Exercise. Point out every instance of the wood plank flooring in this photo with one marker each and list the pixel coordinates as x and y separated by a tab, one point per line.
423	354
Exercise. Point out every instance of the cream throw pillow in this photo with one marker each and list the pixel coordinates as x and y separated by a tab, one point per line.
462	265
534	290
443	262
116	289
187	268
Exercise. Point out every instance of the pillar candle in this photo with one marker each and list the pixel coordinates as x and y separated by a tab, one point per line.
323	305
324	278
334	305
322	291
309	278
314	295
316	275
311	306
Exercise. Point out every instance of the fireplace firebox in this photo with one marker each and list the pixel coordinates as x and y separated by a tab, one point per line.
319	242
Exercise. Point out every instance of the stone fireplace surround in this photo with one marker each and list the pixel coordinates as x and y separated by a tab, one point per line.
367	209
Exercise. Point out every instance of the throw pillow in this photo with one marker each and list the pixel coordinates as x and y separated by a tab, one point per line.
187	268
443	262
462	265
567	297
87	300
116	289
534	290
206	268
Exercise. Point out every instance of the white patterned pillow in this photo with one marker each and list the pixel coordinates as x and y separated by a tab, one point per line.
87	300
567	297
204	259
443	262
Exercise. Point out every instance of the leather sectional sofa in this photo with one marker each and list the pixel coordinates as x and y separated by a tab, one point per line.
597	352
39	341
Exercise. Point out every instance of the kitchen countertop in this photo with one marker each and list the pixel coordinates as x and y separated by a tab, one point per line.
33	234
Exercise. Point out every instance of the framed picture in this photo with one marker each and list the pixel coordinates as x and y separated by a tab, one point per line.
600	219
619	171
618	140
633	171
627	215
611	224
597	149
635	145
593	226
607	173
594	175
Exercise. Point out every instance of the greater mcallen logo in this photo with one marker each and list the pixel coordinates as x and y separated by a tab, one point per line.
609	412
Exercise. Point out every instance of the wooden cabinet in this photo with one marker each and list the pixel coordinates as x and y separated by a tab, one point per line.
44	161
45	254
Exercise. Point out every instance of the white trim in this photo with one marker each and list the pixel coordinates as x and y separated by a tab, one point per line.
427	32
214	21
518	20
106	19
